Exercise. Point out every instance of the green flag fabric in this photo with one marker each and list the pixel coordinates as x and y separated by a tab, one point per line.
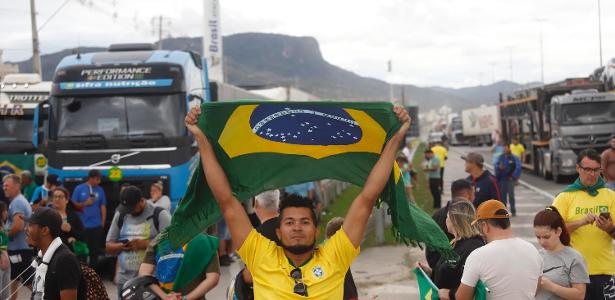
269	145
429	291
591	190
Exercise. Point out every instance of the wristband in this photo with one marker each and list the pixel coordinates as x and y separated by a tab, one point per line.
611	231
184	297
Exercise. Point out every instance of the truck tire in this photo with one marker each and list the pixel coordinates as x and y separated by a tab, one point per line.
557	178
543	171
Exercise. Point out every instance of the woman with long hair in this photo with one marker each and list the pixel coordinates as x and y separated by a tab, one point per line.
447	274
72	227
564	271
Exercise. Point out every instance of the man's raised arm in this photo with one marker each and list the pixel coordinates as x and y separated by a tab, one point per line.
360	209
234	214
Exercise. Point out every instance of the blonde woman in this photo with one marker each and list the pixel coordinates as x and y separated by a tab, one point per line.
447	274
157	198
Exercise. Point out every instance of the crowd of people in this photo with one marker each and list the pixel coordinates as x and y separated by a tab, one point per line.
51	238
575	234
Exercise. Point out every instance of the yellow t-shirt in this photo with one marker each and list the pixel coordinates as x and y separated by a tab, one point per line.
517	150
592	242
441	153
323	274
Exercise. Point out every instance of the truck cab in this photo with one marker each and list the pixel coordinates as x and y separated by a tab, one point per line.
579	120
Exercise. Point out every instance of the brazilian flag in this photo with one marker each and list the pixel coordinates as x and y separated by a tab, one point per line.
429	291
269	145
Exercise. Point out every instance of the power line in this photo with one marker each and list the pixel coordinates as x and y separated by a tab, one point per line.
53	15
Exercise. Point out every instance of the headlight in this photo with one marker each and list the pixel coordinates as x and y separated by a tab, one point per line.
569	162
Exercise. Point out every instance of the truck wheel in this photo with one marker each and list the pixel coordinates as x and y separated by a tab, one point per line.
543	171
556	176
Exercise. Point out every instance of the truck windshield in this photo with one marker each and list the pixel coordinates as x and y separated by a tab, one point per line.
121	116
16	129
588	113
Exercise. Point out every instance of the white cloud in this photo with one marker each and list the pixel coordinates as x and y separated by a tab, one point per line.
431	42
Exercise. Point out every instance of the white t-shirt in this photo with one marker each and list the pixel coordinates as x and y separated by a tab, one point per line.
163	202
509	268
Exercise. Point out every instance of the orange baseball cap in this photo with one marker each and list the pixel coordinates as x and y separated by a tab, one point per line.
489	209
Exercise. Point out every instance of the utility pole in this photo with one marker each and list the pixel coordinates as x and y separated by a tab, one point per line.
600	32
36	53
160	32
542	64
510	62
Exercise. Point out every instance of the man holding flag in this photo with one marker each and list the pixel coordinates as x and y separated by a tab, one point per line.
296	270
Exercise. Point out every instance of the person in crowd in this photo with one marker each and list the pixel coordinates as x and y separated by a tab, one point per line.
405	168
225	244
442	153
446	275
607	163
40	196
587	207
509	266
517	149
20	254
350	288
5	264
316	272
157	198
135	223
564	272
187	273
485	185
90	203
432	168
72	229
461	190
27	184
507	172
58	273
266	205
496	151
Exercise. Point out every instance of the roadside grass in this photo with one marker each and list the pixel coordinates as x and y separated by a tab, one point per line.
340	206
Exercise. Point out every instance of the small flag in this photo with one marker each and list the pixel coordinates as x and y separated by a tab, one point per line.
429	290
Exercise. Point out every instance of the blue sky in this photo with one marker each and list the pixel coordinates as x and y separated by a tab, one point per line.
431	42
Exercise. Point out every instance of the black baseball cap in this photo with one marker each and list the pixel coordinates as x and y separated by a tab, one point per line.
47	217
129	197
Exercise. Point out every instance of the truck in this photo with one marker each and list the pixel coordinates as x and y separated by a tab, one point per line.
557	121
478	124
19	96
456	131
121	112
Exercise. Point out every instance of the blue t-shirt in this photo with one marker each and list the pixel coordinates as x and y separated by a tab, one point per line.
91	214
40	193
19	205
301	189
432	163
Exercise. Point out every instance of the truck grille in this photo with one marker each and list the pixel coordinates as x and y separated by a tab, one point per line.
589	140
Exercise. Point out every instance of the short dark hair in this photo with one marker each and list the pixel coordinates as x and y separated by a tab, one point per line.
294	200
459	186
428	151
613	137
94	174
589	153
501	223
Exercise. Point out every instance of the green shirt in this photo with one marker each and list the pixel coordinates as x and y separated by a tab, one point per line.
28	190
4	240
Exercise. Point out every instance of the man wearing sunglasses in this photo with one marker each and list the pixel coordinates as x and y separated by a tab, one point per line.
587	207
297	270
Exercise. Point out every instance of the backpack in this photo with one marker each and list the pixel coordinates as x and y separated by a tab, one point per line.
94	287
155	216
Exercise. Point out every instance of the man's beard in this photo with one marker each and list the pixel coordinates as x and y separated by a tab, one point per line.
299	249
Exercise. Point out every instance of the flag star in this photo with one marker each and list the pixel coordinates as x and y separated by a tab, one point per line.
354	137
309	130
347	133
328	124
268	129
294	136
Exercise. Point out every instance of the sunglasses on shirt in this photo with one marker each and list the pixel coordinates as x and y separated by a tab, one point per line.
300	287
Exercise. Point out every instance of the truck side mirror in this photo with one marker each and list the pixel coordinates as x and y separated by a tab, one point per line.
41	124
